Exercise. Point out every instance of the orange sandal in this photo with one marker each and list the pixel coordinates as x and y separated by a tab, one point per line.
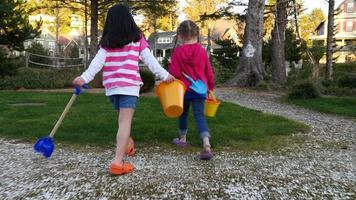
130	148
125	168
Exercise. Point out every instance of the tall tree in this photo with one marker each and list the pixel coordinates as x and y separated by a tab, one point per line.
330	40
14	25
251	70
278	41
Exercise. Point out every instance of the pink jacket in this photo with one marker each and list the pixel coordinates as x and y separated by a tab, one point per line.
193	60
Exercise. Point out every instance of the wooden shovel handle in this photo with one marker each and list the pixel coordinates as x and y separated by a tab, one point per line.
66	109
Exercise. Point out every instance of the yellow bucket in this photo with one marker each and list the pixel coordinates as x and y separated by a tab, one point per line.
211	106
171	96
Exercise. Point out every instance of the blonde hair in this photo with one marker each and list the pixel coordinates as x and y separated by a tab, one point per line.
187	30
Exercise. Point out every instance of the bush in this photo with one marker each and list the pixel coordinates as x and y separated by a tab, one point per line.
297	75
33	78
346	82
336	91
344	67
222	73
303	90
263	86
148	80
37	48
7	65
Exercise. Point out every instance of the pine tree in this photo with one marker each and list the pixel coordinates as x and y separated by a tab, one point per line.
14	25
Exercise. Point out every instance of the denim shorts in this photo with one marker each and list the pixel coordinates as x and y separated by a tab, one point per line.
123	101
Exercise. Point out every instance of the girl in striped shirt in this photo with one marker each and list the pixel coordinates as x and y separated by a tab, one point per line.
121	47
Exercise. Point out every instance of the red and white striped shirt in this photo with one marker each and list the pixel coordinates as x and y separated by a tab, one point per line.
121	70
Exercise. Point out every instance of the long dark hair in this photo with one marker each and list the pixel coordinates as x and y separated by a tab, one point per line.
187	30
120	28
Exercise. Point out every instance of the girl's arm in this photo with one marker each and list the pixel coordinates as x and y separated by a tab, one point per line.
152	63
95	66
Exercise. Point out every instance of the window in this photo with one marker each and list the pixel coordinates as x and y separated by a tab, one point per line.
349	26
350	7
51	45
164	40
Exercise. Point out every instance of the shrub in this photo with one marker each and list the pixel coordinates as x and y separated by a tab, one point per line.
222	73
7	65
263	86
37	48
346	82
303	90
297	75
33	78
334	90
344	67
148	80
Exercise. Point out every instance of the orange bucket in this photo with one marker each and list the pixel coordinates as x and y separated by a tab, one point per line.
211	106
171	96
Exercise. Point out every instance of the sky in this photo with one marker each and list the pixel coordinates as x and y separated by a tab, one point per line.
309	5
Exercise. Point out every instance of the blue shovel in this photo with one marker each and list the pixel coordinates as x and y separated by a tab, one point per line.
45	145
197	86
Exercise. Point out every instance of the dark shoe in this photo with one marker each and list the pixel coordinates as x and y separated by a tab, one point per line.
206	154
179	143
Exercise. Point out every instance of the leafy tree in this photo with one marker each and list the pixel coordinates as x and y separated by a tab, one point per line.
7	66
317	50
161	15
227	58
37	48
49	7
197	8
14	25
293	47
309	22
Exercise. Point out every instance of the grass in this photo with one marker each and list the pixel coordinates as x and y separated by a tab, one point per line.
92	121
345	106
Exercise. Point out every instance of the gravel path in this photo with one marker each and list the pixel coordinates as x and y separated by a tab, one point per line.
321	168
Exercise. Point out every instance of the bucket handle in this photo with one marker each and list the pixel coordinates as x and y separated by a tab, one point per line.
211	94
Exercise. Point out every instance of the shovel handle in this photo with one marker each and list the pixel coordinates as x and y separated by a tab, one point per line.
60	120
188	77
77	91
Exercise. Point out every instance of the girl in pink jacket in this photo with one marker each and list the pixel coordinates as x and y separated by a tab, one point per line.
191	58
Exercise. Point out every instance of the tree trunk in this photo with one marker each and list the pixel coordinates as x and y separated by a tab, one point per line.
278	39
93	28
330	41
251	70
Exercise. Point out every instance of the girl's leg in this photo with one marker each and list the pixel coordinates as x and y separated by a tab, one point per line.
200	122
183	121
123	134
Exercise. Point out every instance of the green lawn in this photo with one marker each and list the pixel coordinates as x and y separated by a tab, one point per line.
335	105
93	121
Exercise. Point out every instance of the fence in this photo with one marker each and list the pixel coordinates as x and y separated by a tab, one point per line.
43	61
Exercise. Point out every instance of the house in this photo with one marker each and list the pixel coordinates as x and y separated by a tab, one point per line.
345	38
162	43
47	38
